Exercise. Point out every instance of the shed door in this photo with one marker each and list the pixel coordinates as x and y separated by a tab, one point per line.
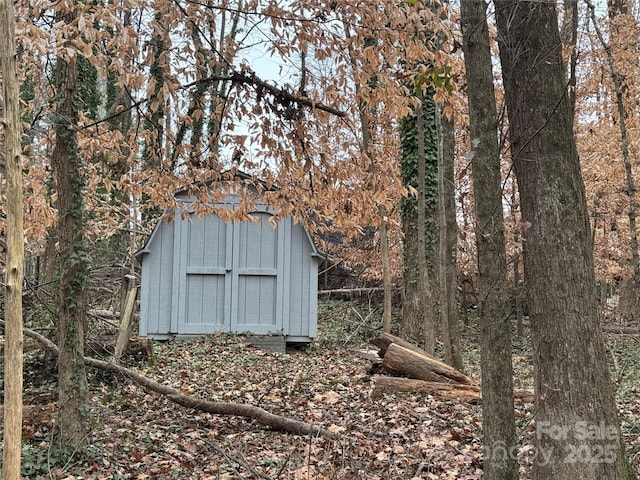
256	305
204	282
228	278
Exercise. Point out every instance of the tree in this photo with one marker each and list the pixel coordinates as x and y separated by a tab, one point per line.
448	239
12	443
498	421
572	385
72	423
419	163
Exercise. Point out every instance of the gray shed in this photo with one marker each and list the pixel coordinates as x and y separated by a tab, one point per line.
201	276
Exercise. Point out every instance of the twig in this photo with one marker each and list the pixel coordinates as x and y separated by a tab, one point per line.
364	320
242	462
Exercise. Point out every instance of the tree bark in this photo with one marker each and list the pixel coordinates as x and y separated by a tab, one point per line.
13	373
419	171
571	378
443	390
498	420
386	270
383	341
424	279
73	418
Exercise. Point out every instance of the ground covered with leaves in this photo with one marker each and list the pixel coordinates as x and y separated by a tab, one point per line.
141	435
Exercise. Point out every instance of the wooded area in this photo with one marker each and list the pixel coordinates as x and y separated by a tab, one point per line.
423	145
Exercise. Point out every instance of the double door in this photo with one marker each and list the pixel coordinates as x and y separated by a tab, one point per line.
227	276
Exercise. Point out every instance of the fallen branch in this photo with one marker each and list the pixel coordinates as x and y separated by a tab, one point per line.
419	365
262	416
350	291
609	328
447	391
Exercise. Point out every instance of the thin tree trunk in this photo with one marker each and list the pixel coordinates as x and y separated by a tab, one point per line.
386	271
571	378
419	165
448	240
498	420
424	280
365	118
382	227
618	14
13	374
73	419
569	35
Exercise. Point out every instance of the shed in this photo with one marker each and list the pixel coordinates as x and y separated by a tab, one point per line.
205	275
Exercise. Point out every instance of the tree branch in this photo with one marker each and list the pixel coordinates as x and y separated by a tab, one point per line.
263	417
280	94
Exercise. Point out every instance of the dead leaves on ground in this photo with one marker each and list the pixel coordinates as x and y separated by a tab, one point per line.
141	435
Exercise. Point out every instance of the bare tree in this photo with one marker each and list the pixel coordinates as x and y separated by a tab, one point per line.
498	421
447	240
12	445
573	390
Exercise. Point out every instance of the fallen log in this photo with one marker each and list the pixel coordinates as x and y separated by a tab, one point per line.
383	341
263	417
609	328
414	364
447	391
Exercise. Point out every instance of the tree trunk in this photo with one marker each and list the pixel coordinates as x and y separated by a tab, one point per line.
365	119
383	341
419	163
424	276
498	421
73	419
13	374
447	241
572	384
447	391
516	294
386	270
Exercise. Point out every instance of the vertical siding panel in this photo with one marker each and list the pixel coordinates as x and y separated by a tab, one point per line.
283	287
313	296
298	261
155	305
163	299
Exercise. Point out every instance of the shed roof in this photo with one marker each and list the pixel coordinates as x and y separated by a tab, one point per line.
237	176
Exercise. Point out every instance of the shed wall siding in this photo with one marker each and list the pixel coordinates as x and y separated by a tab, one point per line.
302	270
204	275
157	270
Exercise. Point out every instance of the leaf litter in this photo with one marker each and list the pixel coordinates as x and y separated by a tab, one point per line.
142	435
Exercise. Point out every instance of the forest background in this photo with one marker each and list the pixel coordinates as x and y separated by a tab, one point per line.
365	134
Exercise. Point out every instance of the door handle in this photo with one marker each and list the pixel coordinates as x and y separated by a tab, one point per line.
228	270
